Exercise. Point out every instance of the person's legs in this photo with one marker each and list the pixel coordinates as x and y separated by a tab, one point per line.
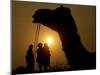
40	67
49	64
45	67
29	67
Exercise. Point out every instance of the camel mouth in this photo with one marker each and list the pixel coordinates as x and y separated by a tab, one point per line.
39	20
34	20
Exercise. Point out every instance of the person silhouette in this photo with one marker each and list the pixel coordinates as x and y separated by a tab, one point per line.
46	56
40	57
43	56
29	59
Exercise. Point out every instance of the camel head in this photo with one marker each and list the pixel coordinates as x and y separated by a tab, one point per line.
58	19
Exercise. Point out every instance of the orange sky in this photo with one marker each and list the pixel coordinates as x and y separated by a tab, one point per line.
23	31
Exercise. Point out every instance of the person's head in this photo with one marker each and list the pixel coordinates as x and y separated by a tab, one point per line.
45	45
39	45
30	46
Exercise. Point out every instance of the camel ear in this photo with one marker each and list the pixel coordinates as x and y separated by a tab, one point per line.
63	9
61	6
66	8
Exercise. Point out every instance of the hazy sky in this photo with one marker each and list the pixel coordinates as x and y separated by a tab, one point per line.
23	31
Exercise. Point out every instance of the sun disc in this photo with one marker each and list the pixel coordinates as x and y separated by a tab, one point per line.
49	40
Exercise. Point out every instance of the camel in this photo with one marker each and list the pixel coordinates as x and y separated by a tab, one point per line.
61	20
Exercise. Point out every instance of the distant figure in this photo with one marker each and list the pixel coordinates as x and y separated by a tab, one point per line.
40	56
29	59
46	56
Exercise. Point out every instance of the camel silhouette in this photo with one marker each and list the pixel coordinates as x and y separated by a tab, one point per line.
62	21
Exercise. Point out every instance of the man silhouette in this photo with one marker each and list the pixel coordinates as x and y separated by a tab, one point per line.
40	56
29	59
46	56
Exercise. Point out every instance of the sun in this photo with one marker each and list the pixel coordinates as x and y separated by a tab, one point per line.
49	40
